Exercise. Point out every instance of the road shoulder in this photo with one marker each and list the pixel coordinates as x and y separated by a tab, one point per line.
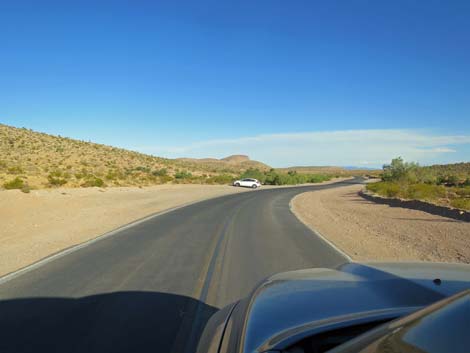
369	231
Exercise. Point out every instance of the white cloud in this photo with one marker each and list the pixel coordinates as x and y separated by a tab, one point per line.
345	147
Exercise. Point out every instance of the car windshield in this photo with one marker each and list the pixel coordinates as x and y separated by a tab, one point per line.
165	165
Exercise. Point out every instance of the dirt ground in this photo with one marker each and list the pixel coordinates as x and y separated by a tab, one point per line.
369	231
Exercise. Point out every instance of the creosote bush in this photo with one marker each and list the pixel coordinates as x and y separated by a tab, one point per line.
273	177
435	184
93	181
16	183
183	175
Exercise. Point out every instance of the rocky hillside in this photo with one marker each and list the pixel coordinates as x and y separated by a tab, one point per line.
30	159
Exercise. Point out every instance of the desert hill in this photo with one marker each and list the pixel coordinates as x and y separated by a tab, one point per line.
236	158
38	160
230	164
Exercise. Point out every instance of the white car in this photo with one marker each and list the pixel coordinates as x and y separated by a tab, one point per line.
247	182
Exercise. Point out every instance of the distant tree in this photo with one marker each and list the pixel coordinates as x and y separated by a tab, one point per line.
398	169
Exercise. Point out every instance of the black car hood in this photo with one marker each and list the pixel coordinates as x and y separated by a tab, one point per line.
292	304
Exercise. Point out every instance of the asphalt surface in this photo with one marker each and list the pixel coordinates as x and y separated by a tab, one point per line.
152	287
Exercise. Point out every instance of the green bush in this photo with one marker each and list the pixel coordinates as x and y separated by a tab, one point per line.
462	203
183	175
399	170
220	179
56	181
15	170
160	172
424	192
93	181
56	173
255	174
111	175
143	169
16	183
318	178
462	192
272	177
165	179
447	180
419	191
385	188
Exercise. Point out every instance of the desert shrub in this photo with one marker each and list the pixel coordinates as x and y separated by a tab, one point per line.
424	192
419	191
93	181
165	179
385	188
111	175
114	174
398	170
15	170
447	180
220	179
143	169
56	181
160	172
462	191
255	174
83	173
318	178
183	175
56	173
16	183
462	203
272	177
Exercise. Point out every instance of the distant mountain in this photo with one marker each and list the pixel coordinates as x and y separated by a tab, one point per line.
236	158
230	164
360	168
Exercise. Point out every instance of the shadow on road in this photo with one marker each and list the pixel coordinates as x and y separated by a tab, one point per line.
114	322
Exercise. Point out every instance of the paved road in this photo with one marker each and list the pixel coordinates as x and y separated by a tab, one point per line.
151	287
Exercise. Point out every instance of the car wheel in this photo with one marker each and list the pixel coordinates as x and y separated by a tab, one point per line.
237	184
254	186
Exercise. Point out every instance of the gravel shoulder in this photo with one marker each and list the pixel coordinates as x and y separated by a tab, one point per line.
369	231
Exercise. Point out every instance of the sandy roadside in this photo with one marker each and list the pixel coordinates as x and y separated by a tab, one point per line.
370	231
43	222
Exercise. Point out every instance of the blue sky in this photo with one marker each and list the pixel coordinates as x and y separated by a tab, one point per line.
286	82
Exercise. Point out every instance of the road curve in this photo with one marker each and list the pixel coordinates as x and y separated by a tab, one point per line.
152	286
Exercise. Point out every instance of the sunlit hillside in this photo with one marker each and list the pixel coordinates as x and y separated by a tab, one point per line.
30	159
